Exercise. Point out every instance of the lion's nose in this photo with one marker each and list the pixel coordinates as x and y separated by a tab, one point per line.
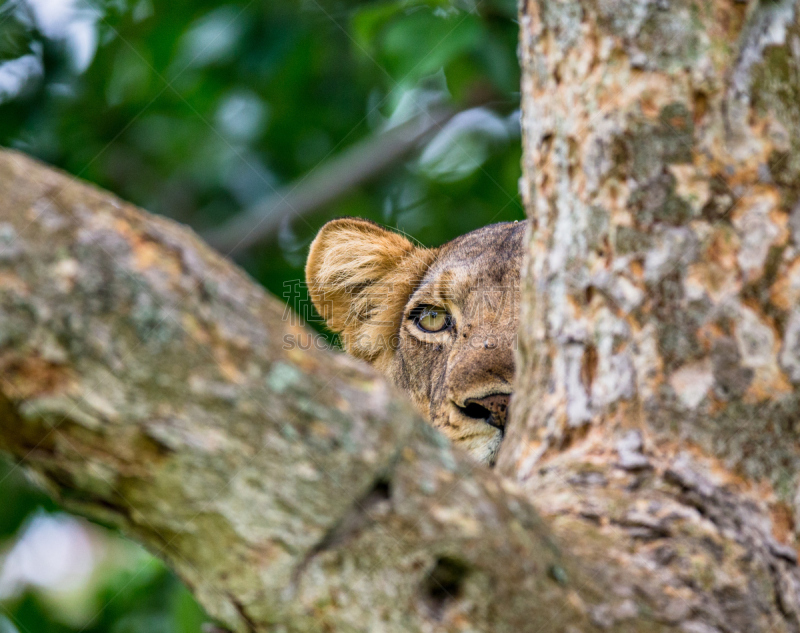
492	408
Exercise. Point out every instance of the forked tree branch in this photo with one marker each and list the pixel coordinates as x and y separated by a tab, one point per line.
150	383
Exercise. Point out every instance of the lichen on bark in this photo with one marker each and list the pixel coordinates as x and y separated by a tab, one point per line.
659	298
147	383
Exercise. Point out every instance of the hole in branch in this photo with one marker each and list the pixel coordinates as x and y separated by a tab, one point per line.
444	585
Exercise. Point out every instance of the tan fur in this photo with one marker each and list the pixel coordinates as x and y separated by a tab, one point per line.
359	277
366	283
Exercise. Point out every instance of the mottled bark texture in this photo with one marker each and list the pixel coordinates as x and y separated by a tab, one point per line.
147	382
657	404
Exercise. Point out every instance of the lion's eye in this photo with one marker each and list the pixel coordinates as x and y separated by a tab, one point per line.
432	318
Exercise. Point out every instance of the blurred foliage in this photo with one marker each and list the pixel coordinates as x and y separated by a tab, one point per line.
124	590
199	109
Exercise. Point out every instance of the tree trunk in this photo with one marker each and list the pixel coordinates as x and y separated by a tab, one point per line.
657	410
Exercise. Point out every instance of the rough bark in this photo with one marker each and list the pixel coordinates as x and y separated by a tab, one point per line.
659	360
148	383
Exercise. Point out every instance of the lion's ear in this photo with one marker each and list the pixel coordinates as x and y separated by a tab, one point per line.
360	277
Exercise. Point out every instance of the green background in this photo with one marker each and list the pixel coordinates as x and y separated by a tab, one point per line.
198	110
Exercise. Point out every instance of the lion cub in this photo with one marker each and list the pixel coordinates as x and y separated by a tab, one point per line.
440	323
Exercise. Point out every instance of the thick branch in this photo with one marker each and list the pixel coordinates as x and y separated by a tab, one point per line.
152	385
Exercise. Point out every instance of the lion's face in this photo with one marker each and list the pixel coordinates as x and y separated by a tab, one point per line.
439	323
